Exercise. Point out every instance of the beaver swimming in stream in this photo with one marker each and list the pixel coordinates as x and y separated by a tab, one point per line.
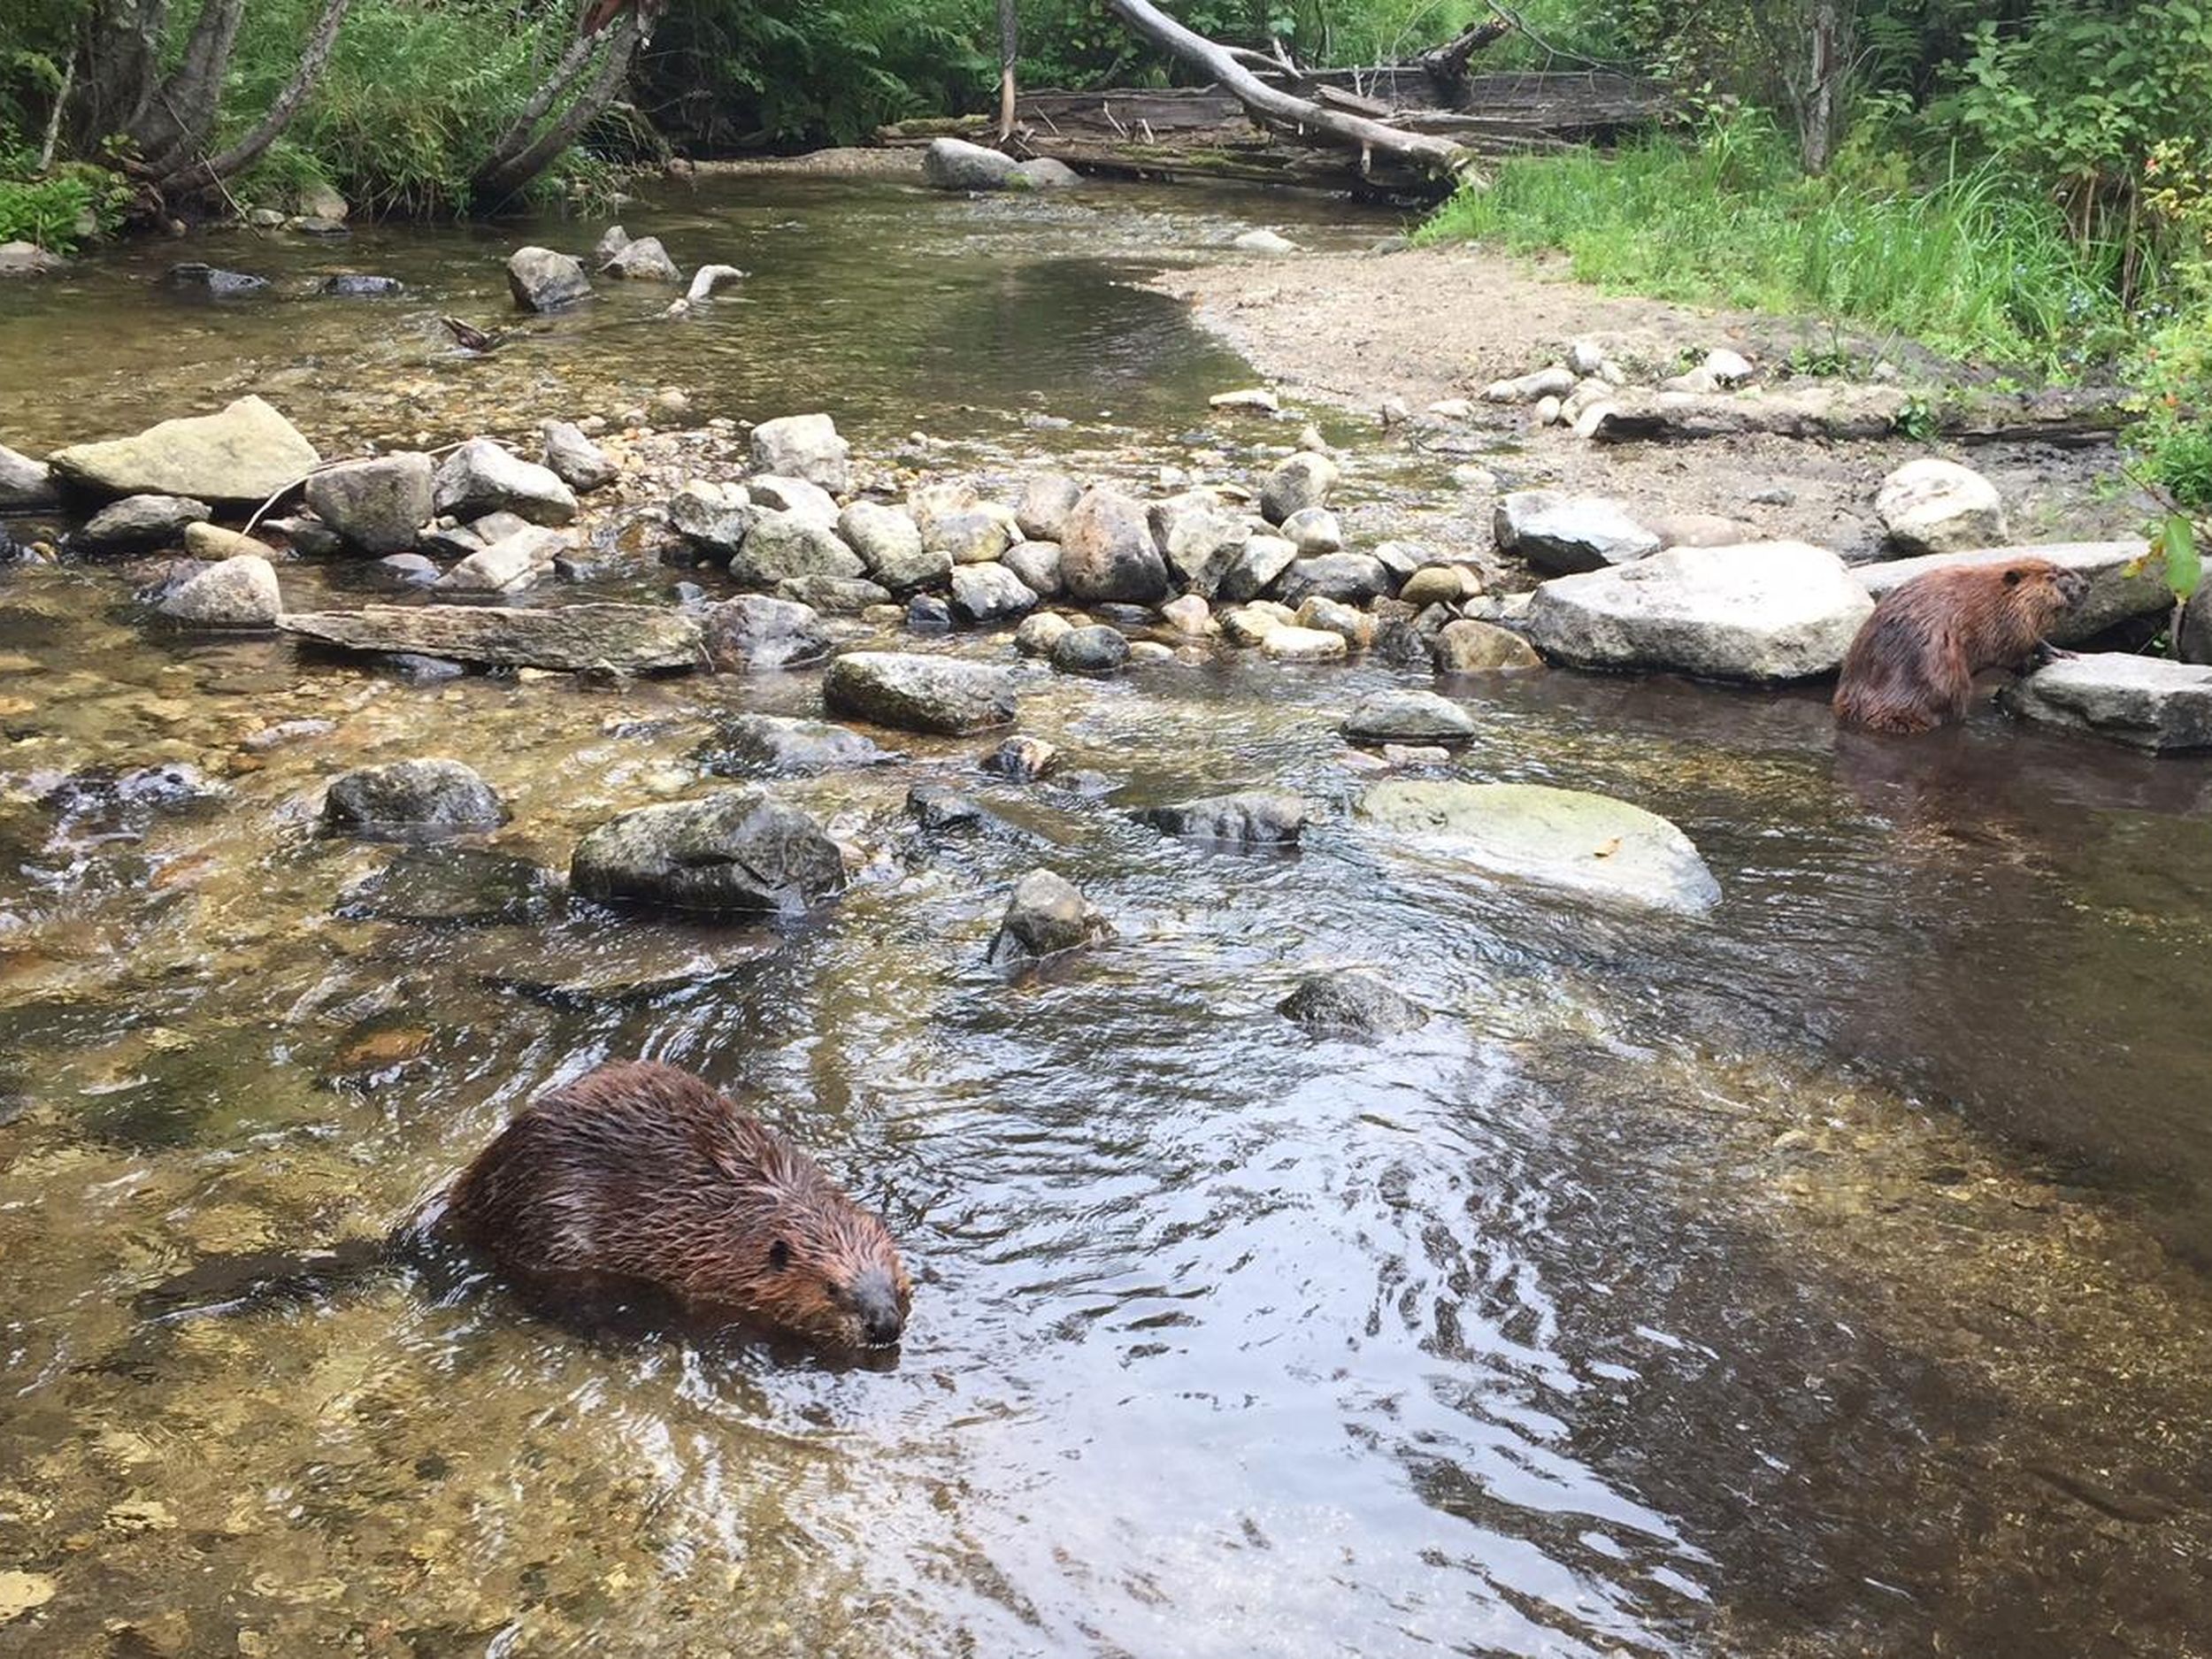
1911	667
635	1175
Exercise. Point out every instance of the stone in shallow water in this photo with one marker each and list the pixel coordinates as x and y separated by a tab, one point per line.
1252	817
412	800
633	637
733	850
1096	649
1588	844
2144	702
245	452
776	743
139	522
914	693
1349	1005
614	967
754	631
1047	916
377	505
1408	717
460	887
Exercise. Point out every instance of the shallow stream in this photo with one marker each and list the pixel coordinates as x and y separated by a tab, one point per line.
1816	1278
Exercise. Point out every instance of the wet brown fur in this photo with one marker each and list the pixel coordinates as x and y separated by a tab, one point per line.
1912	666
641	1171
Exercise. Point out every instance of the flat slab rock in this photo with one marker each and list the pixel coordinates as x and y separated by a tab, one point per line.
632	638
1588	844
2114	596
245	452
914	693
2144	702
1763	611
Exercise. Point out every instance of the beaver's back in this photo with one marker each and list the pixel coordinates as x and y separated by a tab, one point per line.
1912	664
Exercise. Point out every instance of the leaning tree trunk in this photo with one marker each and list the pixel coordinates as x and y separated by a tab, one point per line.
517	158
181	114
314	56
1009	46
1271	105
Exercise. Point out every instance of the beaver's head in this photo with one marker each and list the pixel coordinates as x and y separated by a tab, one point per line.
829	1270
2045	589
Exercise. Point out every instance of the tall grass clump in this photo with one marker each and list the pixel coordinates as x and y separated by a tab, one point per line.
1964	264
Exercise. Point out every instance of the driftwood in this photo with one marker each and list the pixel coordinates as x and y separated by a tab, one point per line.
2067	419
632	638
1270	104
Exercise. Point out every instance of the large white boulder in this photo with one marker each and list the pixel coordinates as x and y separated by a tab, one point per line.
1937	506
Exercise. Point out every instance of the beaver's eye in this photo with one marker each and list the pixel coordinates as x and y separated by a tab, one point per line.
779	1256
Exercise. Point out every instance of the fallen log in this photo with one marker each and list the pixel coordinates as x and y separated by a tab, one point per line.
1439	157
634	639
2068	418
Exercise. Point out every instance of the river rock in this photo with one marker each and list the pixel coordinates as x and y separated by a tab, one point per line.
238	592
1314	530
920	694
805	446
1022	759
794	495
735	850
953	164
453	886
1265	242
773	743
2116	592
1190	614
1096	649
25	484
1440	585
543	281
1289	643
575	459
781	545
837	596
712	518
1047	916
1566	839
1351	578
890	543
1259	565
1356	627
139	522
508	564
1408	717
245	453
1303	480
209	282
990	593
1355	1006
2144	702
634	639
1252	817
412	800
1469	647
1769	611
360	285
935	807
375	506
1564	534
644	260
1046	502
1039	633
1555	381
1202	546
1936	506
27	258
753	632
1038	564
1107	553
406	570
612	242
1043	173
966	538
481	477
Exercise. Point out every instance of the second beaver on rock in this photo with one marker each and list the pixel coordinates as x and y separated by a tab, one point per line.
640	1172
1912	666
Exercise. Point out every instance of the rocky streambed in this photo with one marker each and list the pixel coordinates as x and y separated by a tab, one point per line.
1560	1158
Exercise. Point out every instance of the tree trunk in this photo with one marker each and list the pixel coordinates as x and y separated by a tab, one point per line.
508	170
201	175
1009	48
122	52
1435	156
1817	108
181	114
511	143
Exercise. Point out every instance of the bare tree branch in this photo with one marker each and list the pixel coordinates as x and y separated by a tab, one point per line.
314	56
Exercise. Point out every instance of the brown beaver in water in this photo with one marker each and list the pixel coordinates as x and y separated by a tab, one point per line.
1912	666
638	1172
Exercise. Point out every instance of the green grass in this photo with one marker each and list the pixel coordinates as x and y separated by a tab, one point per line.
1965	265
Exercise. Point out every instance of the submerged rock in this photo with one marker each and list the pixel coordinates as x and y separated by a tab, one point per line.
1357	1005
212	281
935	806
1251	817
1937	506
2144	702
631	638
412	800
453	886
543	281
356	285
1047	916
1770	610
1584	844
1022	759
755	632
920	694
734	850
375	506
245	453
776	743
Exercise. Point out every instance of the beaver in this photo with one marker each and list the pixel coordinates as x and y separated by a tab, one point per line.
1912	666
638	1172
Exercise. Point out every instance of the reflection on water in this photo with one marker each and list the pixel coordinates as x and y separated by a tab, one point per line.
1650	1299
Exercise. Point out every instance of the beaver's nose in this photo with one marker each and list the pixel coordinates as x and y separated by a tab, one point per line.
877	1304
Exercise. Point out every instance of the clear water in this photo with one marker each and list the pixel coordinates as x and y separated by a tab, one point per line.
1813	1279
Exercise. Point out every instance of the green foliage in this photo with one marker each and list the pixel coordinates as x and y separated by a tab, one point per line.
1963	264
2173	549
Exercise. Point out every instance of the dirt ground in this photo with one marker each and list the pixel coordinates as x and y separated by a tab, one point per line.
1426	325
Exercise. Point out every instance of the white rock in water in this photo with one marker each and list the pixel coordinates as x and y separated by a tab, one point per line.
240	592
1264	241
1937	506
1763	611
2144	702
1290	643
1584	844
1252	399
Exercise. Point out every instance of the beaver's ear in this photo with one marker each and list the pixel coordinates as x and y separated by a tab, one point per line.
778	1256
2013	576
